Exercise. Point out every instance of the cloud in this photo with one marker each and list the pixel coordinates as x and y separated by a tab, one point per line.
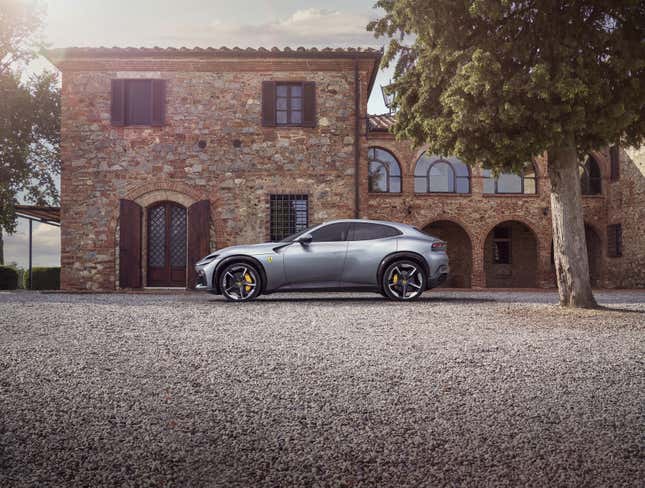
307	27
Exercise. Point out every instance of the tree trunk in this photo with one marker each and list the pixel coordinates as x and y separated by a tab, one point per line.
1	248
569	245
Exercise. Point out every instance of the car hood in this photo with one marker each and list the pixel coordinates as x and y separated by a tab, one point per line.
264	248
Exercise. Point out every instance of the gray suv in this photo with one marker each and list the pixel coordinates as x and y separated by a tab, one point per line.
396	260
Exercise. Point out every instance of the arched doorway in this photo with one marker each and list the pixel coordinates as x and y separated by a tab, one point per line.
166	244
510	256
459	251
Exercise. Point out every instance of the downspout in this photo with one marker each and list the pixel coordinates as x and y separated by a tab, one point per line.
357	155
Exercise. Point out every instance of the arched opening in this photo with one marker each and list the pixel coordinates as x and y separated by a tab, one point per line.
166	244
384	171
590	178
524	182
436	174
459	251
510	256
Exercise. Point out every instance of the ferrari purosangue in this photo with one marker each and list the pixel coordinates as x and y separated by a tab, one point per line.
397	260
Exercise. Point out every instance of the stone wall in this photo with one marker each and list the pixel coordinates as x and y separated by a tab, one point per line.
102	163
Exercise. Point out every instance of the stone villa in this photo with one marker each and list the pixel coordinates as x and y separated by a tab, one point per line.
171	153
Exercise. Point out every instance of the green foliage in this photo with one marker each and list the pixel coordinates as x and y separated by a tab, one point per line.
8	278
500	82
29	116
44	278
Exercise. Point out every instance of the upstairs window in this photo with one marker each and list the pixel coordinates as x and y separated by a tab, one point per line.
524	183
138	102
590	180
288	104
384	172
434	174
289	214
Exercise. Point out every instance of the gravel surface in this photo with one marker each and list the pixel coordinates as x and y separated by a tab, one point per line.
458	389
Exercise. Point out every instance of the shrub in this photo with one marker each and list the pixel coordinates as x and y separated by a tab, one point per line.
44	278
8	278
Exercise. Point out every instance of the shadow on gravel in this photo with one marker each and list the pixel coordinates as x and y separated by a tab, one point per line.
358	300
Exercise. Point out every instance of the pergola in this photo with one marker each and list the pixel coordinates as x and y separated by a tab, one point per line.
34	213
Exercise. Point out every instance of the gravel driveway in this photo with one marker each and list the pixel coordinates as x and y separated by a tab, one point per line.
459	389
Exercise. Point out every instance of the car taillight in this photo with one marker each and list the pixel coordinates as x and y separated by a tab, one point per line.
439	246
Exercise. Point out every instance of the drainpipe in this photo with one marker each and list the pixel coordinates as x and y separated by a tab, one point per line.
357	156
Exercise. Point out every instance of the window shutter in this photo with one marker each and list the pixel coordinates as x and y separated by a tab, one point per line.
268	103
614	158
117	107
614	241
198	236
130	215
309	102
158	102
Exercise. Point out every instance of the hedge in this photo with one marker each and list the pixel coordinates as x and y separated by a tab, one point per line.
44	278
8	278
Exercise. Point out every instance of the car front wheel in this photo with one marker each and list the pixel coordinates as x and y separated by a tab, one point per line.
239	282
403	280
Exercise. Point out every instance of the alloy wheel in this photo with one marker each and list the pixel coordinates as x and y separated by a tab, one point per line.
240	282
404	281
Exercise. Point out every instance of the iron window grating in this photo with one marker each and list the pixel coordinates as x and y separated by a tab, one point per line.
288	214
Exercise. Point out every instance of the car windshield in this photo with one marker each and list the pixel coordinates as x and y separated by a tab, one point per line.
293	237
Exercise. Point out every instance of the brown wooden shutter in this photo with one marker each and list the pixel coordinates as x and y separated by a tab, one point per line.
614	158
158	102
117	106
614	241
309	104
130	215
198	236
268	103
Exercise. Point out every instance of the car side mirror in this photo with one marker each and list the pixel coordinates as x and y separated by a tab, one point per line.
305	239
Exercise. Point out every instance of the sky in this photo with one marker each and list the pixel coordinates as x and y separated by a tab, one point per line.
203	23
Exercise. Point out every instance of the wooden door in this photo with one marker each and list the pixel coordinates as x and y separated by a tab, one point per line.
166	244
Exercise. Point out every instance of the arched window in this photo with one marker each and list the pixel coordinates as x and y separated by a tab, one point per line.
434	174
384	172
590	180
524	183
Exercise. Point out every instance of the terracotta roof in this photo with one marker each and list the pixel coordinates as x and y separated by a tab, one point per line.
44	214
381	122
274	52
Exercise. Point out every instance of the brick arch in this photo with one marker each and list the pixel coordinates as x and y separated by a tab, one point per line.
460	250
513	274
452	219
173	188
514	218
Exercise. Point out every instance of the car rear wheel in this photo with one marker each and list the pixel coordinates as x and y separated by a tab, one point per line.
403	280
239	282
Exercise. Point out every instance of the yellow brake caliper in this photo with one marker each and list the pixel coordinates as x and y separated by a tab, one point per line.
395	278
248	279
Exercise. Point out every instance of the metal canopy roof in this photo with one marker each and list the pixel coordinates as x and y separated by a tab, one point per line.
47	215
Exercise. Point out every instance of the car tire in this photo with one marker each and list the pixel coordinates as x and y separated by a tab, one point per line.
403	280
240	282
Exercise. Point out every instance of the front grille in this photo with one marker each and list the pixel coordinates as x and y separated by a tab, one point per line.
201	278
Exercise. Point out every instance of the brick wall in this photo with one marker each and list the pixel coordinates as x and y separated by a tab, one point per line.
478	213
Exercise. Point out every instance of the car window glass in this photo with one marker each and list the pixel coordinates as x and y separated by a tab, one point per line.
365	231
331	233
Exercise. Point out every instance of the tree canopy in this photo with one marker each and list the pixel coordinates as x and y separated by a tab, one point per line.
500	82
29	116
